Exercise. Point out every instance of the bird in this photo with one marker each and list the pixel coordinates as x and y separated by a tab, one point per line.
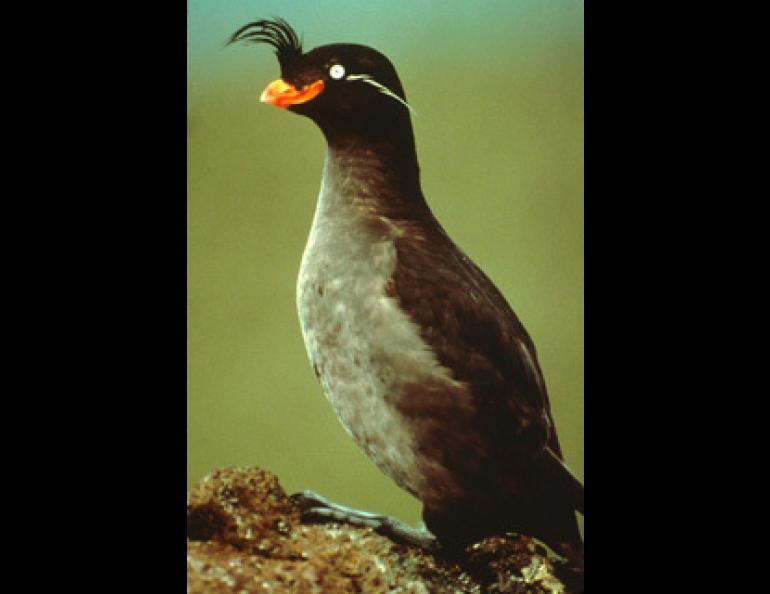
421	357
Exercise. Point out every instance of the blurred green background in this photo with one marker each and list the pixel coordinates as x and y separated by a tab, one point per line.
498	90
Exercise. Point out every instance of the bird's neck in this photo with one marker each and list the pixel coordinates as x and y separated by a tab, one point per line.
381	172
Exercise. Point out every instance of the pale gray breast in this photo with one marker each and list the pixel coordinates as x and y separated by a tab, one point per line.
363	347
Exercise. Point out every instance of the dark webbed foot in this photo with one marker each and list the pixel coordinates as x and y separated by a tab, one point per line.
316	508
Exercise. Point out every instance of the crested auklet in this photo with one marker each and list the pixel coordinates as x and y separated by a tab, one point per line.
424	362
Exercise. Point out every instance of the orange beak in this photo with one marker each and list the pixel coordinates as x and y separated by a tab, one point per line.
282	94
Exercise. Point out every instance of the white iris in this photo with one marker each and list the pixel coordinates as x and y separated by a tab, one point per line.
337	71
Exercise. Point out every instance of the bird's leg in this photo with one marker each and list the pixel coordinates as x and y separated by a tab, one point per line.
316	508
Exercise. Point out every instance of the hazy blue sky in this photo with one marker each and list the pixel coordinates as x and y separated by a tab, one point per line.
399	25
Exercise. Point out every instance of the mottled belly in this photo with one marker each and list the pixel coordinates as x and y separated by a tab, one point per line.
386	386
351	329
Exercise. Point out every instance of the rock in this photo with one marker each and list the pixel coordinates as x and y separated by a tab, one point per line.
245	535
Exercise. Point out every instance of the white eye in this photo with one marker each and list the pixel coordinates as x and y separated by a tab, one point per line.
337	71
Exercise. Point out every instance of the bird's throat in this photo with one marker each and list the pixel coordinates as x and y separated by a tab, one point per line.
382	174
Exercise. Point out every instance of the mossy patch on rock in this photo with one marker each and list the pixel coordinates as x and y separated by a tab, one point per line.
245	535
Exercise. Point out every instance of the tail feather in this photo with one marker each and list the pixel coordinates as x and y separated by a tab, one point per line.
560	477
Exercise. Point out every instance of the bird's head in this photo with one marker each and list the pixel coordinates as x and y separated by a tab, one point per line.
340	86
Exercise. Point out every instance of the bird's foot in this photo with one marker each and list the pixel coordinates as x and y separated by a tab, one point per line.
316	508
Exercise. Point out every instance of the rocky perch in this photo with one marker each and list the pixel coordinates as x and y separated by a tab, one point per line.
244	534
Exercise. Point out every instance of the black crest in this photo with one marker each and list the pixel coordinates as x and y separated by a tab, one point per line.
275	32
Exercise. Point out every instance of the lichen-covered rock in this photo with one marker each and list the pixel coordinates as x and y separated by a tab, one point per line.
245	535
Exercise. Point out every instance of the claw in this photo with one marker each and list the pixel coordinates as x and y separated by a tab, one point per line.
307	499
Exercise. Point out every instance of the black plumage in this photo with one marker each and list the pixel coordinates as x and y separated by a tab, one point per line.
481	431
278	33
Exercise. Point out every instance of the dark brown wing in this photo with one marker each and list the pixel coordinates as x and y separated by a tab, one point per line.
473	331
